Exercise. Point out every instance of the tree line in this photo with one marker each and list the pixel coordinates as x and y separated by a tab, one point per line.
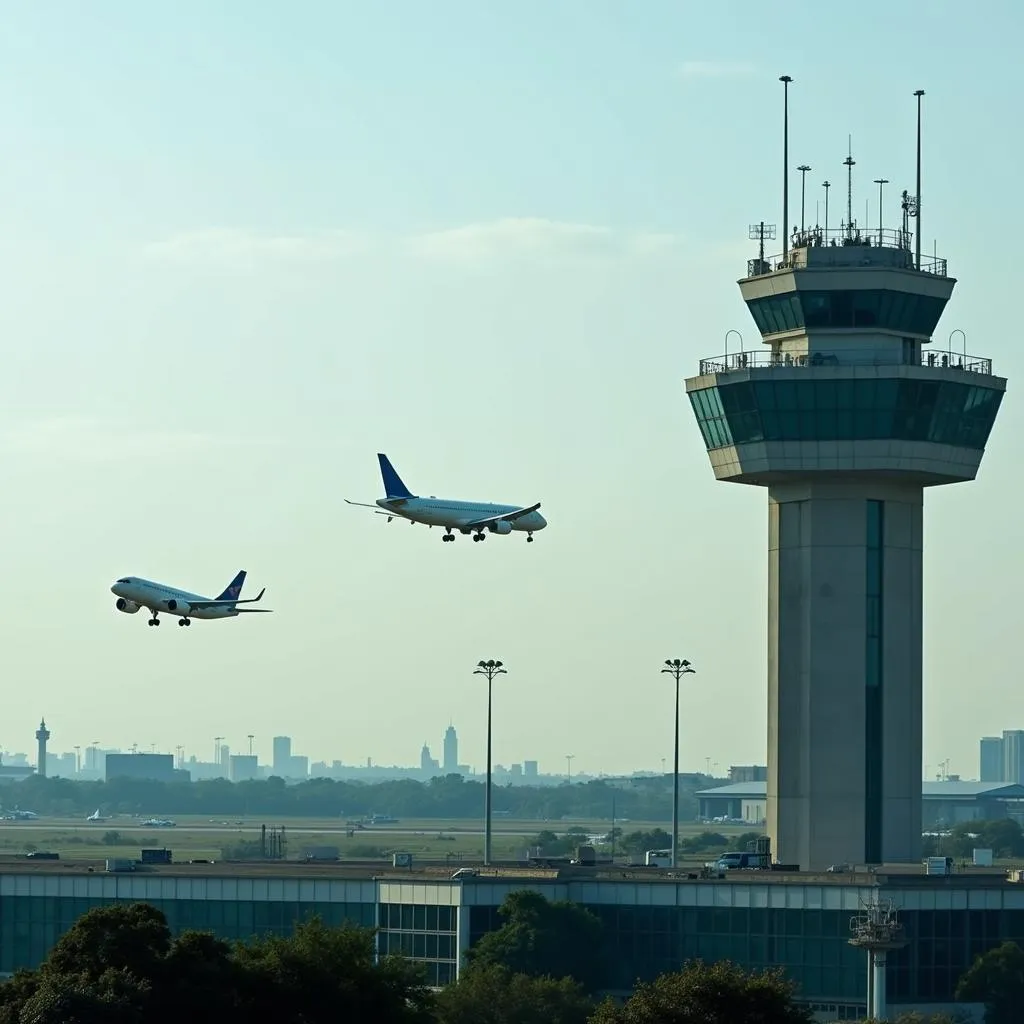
120	964
443	797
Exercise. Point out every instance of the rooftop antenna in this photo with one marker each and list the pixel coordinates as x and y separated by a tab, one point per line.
761	231
826	185
849	162
917	203
785	80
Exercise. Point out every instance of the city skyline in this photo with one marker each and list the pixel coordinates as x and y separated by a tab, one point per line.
243	260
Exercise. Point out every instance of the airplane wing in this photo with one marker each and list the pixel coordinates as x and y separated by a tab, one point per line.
224	604
508	517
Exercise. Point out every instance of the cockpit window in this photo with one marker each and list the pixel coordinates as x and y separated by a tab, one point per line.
125	580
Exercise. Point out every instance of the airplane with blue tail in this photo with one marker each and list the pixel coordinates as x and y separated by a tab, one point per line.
467	517
134	593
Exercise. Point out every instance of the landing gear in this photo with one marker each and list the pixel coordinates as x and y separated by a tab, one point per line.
479	536
529	538
184	622
448	535
154	621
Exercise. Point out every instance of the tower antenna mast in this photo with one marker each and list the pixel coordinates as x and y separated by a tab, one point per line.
917	199
785	80
849	162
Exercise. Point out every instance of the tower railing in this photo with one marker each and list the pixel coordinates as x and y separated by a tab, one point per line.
760	359
897	241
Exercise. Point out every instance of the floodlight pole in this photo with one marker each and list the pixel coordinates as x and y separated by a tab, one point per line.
490	669
676	668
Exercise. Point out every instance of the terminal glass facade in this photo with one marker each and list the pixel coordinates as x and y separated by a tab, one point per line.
30	925
901	312
867	409
427	934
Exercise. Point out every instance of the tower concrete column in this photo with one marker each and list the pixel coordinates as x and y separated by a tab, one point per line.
844	671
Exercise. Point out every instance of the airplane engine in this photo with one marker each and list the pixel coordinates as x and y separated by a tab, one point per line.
128	607
181	607
502	526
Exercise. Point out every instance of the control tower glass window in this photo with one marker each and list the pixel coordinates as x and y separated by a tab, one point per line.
943	412
881	308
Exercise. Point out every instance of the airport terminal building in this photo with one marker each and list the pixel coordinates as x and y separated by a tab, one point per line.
943	804
654	920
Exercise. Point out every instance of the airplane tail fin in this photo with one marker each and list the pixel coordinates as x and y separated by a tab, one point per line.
393	486
234	589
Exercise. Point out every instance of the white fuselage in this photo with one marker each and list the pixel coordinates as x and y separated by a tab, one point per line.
454	514
158	597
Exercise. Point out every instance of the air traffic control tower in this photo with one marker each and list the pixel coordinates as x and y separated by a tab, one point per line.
845	414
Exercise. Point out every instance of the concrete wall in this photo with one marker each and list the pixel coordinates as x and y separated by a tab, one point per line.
817	671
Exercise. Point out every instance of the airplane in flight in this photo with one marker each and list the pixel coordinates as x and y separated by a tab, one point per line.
468	517
134	593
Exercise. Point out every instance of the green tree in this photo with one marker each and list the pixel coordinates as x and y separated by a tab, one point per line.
320	974
719	993
491	994
638	843
541	938
996	978
119	965
115	997
118	937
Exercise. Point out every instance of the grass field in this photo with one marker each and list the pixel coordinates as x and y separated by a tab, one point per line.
218	839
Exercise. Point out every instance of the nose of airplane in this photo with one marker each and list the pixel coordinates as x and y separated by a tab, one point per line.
541	522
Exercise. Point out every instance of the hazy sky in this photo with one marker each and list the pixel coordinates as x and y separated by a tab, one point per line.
247	246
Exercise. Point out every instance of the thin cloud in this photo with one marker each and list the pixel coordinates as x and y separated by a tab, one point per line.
510	238
534	238
84	439
235	250
715	69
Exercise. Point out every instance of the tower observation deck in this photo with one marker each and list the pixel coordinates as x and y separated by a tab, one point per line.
846	413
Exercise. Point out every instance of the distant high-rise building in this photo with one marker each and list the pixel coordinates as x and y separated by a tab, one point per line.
158	767
42	735
451	751
427	763
1013	756
243	767
530	769
748	773
282	755
60	765
991	759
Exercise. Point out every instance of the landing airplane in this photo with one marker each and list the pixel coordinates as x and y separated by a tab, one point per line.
134	593
468	517
96	816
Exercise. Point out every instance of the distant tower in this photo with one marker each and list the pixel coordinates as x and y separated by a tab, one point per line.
426	761
451	751
42	735
846	414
